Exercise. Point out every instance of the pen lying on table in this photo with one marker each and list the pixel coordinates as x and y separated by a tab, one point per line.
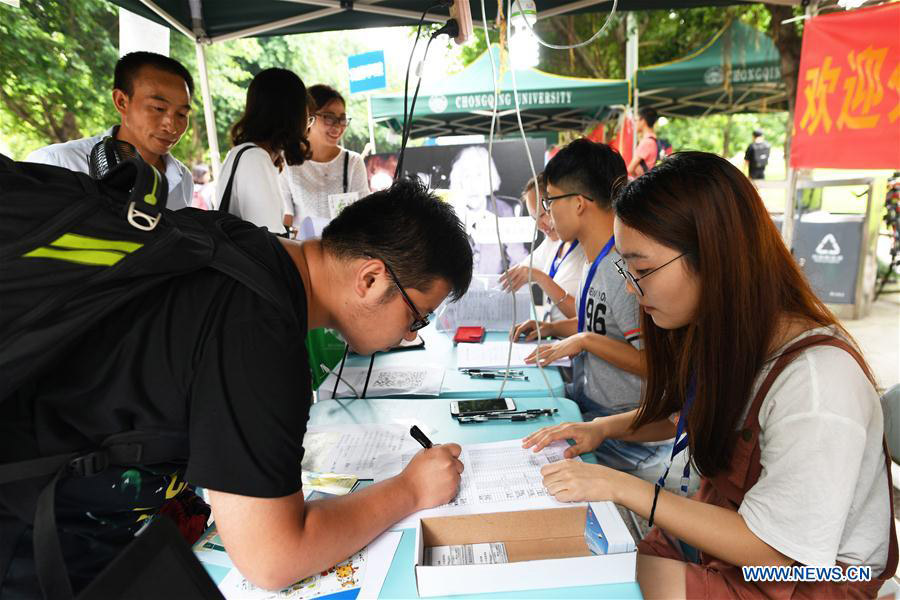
510	377
521	415
468	371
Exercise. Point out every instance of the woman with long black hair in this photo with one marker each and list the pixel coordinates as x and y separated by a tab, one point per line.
270	134
762	386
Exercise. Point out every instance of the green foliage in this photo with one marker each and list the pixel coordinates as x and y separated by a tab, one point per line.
709	133
56	63
57	59
663	35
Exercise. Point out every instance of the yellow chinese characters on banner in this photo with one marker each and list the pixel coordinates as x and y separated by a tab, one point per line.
848	97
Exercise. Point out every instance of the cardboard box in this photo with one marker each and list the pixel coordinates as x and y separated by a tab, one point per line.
546	549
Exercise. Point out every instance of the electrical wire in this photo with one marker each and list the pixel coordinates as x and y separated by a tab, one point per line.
538	205
487	38
407	116
597	34
408	128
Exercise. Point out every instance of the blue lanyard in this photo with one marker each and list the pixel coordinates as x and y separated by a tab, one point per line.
554	266
681	439
582	309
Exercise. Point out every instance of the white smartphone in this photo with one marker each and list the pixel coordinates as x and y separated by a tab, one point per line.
465	408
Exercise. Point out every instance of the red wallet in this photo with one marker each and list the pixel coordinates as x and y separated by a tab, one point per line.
469	335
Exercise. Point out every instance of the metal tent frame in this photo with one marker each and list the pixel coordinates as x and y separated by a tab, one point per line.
238	19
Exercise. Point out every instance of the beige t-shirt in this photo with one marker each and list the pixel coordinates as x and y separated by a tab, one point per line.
822	495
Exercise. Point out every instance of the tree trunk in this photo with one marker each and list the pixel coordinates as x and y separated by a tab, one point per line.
726	136
789	43
70	127
583	59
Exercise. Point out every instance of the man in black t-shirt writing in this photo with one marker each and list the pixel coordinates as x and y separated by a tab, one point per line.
206	356
756	157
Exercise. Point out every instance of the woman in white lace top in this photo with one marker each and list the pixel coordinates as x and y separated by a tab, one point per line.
334	176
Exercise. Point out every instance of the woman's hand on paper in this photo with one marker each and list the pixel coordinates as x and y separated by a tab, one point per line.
549	353
577	481
433	475
529	330
586	436
516	277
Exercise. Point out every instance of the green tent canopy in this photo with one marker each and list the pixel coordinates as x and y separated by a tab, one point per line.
738	70
463	103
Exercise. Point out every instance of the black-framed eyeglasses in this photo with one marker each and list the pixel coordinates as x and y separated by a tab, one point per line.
626	274
418	321
546	201
333	120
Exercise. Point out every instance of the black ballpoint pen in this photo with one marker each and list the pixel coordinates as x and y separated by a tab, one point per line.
420	437
498	376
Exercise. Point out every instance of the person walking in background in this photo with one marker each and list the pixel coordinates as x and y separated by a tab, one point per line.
757	156
204	189
647	152
334	176
152	94
271	133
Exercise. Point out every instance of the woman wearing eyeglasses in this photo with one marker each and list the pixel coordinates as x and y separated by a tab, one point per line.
758	382
334	176
270	134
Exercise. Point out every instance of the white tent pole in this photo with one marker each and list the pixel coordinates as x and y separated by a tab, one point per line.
168	18
371	124
211	134
631	68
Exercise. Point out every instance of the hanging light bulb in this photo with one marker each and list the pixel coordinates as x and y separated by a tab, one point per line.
524	50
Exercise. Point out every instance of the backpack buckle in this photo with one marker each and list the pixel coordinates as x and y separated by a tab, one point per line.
89	464
140	219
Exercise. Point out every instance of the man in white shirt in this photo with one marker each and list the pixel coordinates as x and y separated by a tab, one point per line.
152	93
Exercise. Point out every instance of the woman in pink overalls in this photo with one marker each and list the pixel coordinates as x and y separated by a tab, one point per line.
759	383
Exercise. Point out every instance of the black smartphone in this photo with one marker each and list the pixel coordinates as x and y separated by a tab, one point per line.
465	408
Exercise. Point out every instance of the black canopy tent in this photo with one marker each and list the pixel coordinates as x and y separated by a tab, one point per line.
210	21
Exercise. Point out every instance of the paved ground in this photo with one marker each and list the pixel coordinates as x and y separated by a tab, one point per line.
878	335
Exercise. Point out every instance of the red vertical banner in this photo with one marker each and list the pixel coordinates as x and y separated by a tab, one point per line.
847	113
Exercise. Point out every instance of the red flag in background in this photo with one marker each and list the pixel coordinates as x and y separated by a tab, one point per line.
622	143
847	113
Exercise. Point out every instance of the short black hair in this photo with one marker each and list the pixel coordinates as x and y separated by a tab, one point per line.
128	66
322	94
589	168
275	115
649	115
416	234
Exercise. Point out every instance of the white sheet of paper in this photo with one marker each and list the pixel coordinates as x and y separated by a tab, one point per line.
498	477
311	228
354	449
512	230
381	554
365	570
494	354
338	202
385	381
485	305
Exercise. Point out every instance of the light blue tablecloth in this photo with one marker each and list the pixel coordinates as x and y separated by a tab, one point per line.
435	413
440	351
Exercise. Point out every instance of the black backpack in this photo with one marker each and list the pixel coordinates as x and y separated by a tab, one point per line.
760	155
73	250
